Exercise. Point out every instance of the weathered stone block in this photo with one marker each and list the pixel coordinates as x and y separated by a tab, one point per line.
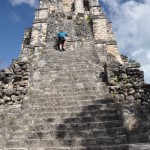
119	97
2	101
67	5
8	92
96	11
14	98
38	35
1	94
6	98
130	99
131	92
100	29
137	95
123	76
41	14
79	8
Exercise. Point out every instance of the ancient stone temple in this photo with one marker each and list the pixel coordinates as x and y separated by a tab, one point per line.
87	97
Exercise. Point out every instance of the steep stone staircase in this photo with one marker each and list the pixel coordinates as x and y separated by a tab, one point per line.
67	106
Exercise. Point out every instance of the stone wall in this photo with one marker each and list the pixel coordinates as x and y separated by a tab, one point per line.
38	35
67	5
79	7
44	3
100	28
132	95
102	32
127	83
111	45
41	14
14	83
94	3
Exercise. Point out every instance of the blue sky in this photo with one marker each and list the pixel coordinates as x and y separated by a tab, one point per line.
130	20
13	21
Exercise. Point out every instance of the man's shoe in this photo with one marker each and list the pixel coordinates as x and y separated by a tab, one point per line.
63	49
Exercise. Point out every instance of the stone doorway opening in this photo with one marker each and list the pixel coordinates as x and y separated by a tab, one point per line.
86	5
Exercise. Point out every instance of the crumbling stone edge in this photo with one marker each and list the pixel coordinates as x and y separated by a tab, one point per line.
132	97
14	82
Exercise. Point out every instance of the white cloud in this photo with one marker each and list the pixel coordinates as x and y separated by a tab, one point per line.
137	53
146	70
148	55
131	25
32	3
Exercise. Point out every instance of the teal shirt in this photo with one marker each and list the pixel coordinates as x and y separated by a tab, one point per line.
62	34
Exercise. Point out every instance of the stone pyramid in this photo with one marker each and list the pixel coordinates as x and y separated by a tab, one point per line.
52	100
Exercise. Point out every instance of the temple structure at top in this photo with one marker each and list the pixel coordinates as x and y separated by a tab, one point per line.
90	9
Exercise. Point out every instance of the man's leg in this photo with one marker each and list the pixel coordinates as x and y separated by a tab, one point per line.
60	44
63	45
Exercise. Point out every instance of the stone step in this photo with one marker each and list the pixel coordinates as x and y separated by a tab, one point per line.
139	136
95	133
80	96
49	81
95	82
69	59
112	147
86	63
69	79
76	94
29	120
2	141
93	109
74	118
69	76
78	49
72	63
102	104
57	103
72	77
47	125
85	111
69	101
52	84
74	66
52	81
71	70
54	101
139	146
74	60
67	92
72	89
105	140
88	68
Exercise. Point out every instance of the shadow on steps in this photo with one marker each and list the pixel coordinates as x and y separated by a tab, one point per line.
94	130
